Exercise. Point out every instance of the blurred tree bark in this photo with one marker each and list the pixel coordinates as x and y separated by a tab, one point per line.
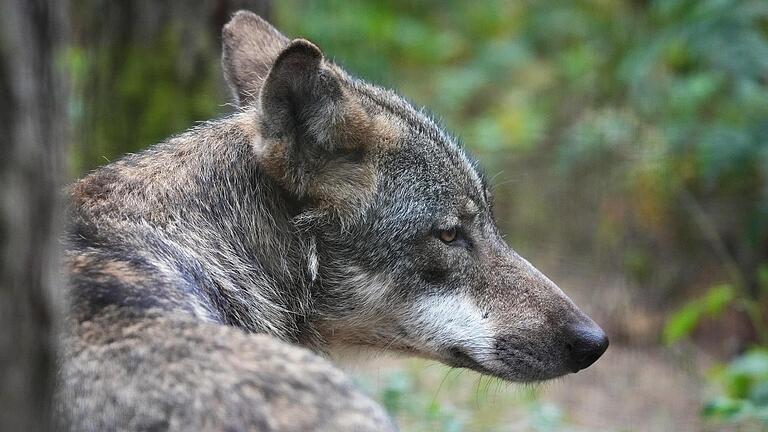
32	122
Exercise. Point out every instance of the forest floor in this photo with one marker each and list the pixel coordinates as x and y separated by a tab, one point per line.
633	389
629	389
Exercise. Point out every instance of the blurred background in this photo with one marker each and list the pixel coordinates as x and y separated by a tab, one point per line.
627	141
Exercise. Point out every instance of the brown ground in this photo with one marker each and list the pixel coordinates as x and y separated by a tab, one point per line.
632	389
629	389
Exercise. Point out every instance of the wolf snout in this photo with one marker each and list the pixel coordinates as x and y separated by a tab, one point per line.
585	344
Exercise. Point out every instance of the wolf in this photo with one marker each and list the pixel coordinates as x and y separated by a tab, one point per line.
210	275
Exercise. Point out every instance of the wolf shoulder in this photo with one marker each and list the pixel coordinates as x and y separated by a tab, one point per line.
175	373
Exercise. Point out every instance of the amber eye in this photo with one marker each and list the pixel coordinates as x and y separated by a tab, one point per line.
447	235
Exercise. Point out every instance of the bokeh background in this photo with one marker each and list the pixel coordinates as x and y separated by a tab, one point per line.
627	141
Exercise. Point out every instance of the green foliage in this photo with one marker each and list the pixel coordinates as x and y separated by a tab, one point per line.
682	322
745	390
423	396
546	417
402	398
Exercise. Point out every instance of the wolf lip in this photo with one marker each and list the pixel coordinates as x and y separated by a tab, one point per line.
459	358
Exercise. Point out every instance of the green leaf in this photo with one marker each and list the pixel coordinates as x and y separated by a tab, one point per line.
723	407
682	323
685	320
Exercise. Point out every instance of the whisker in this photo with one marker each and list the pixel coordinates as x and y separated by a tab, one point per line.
434	398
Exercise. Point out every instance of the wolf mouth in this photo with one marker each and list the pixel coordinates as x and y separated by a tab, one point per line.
460	358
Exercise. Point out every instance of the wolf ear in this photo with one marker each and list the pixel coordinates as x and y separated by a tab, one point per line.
302	99
316	132
249	47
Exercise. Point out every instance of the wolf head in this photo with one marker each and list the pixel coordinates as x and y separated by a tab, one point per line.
403	250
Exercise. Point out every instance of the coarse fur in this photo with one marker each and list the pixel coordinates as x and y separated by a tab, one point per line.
326	213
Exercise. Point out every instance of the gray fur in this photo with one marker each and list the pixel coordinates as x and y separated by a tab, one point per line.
174	373
312	217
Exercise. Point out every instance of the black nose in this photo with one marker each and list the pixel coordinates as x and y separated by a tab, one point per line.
586	344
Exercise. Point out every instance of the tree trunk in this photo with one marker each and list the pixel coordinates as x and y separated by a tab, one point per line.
32	127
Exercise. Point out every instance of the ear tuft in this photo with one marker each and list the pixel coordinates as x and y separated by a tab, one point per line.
249	47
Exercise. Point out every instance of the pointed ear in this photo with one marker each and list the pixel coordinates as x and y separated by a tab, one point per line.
316	130
305	99
301	98
250	46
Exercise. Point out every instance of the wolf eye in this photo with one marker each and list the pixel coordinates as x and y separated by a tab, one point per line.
448	235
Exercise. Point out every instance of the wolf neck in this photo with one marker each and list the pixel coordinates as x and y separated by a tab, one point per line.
259	264
227	225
